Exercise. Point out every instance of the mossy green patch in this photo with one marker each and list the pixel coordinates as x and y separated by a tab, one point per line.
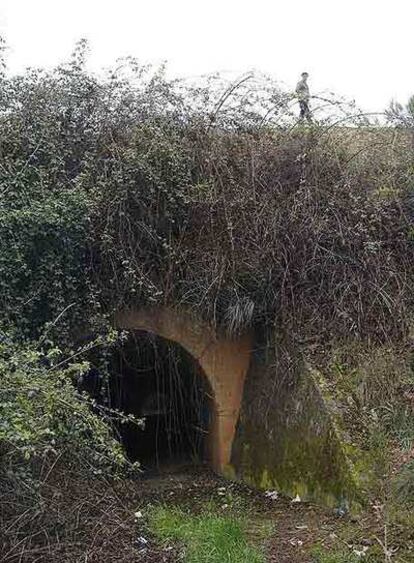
300	448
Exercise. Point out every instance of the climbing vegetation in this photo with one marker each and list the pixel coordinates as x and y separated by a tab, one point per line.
132	189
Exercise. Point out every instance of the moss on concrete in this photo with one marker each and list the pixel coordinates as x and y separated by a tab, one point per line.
312	467
290	439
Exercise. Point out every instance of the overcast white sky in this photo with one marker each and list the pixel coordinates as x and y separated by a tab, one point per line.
362	49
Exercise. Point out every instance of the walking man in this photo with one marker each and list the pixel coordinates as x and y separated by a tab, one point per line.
302	92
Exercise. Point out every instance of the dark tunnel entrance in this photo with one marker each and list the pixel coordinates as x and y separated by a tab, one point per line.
158	381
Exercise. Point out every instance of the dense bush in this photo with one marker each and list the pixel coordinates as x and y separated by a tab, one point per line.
132	189
46	429
42	413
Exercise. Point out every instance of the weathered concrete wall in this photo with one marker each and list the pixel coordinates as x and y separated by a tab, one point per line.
286	437
224	361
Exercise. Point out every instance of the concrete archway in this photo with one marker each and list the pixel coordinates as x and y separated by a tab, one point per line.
225	362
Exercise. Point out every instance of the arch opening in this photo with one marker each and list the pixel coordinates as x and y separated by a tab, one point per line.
158	381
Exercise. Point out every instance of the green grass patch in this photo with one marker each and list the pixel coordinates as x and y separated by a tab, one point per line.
206	537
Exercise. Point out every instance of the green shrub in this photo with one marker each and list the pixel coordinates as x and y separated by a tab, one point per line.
52	443
42	415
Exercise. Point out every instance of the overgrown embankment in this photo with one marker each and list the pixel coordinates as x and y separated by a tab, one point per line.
135	190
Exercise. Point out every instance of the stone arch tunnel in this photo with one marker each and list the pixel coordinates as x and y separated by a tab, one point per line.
224	361
269	427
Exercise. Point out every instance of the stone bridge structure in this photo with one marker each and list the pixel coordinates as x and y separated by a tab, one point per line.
269	426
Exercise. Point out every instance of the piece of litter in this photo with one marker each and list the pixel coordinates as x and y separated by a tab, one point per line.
301	527
295	542
142	540
138	514
360	552
341	511
273	495
296	499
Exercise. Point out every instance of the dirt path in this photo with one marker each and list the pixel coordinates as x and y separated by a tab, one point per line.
287	531
292	528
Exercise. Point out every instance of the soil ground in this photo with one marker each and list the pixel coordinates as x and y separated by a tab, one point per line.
287	531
